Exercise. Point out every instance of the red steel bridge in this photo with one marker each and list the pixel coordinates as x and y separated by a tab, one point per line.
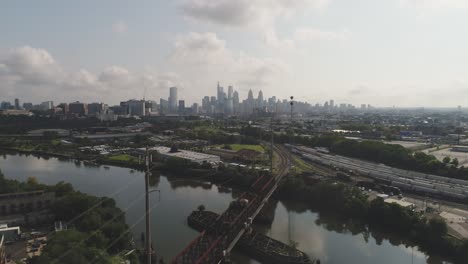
215	243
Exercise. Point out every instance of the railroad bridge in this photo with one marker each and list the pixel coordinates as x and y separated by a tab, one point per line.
215	243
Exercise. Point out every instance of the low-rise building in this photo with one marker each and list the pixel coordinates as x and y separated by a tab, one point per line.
400	203
25	202
16	112
192	156
10	234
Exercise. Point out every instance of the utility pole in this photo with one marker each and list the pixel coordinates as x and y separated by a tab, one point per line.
292	104
147	207
271	145
291	125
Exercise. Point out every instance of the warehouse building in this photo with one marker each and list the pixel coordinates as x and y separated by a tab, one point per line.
192	156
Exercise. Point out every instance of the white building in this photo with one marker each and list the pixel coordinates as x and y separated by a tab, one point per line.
192	156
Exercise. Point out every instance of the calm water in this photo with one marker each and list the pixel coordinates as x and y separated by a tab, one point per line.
314	234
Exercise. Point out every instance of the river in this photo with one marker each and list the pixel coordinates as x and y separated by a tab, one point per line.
317	235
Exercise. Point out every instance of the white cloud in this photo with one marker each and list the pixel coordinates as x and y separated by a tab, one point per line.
205	53
245	12
33	74
119	27
271	39
199	48
434	4
311	34
303	36
32	65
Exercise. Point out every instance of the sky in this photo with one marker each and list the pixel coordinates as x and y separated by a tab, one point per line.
380	52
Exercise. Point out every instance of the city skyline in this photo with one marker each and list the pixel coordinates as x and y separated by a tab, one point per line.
412	52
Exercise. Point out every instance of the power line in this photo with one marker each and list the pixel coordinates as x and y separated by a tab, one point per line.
124	211
102	200
97	230
129	229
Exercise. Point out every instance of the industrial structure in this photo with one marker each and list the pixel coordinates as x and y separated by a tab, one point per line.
215	243
192	156
412	181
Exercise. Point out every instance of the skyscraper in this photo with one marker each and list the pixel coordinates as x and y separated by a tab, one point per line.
77	108
260	99
163	106
250	102
136	108
250	95
173	99
230	89
221	98
181	107
17	104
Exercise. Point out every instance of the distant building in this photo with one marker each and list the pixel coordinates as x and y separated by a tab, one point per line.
5	105
17	104
181	106
192	156
195	108
27	106
173	99
14	112
64	107
24	202
118	110
163	106
136	107
124	108
47	105
77	108
230	91
107	115
95	108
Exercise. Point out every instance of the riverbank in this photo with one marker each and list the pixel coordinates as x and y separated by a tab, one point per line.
180	196
348	202
96	227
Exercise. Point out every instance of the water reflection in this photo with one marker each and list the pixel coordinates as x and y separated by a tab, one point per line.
333	240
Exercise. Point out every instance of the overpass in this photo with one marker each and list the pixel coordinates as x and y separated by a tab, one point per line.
215	243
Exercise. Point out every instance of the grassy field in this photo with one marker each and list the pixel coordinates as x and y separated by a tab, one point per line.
237	147
124	158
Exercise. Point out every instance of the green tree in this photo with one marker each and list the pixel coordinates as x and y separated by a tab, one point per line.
70	247
446	160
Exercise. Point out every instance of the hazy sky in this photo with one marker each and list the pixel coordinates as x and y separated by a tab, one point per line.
382	52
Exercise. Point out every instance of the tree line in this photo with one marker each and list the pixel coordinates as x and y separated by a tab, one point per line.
429	234
389	154
97	233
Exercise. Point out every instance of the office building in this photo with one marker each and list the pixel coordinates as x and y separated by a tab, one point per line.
27	106
47	105
181	107
173	99
136	107
5	105
64	107
195	108
95	108
77	108
230	90
17	104
163	106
